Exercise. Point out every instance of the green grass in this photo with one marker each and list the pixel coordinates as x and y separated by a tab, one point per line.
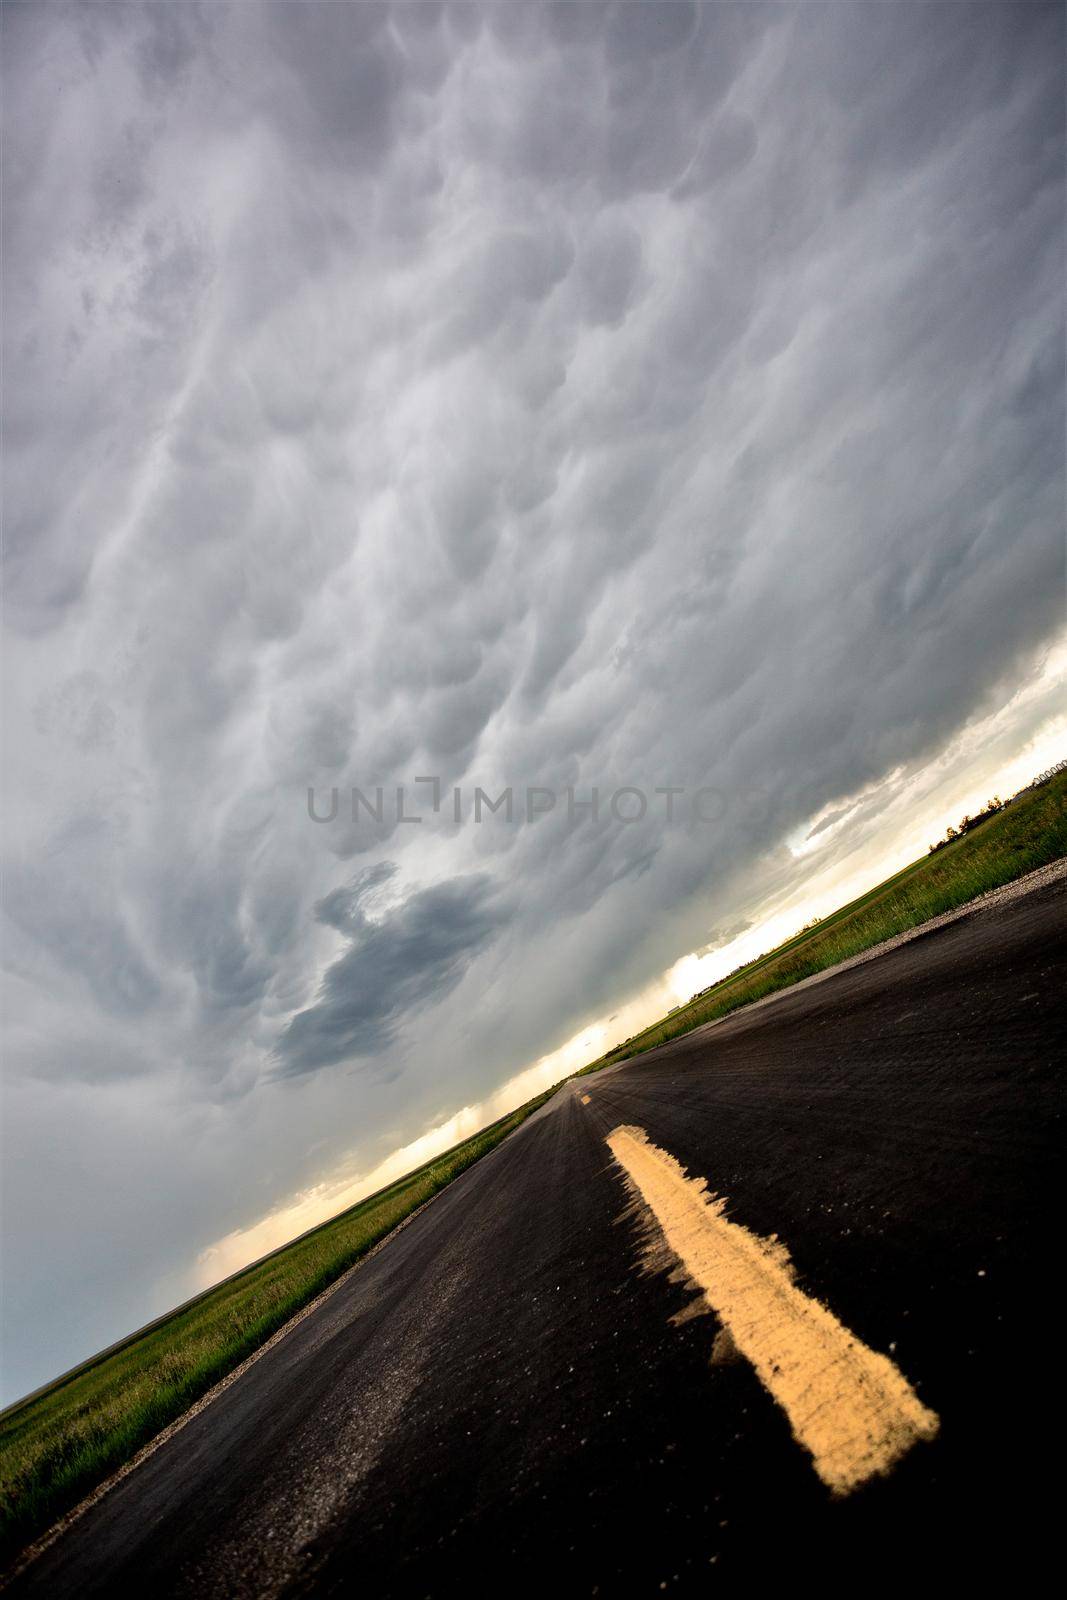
59	1444
1028	833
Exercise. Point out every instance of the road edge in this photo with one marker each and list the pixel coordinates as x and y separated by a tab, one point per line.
44	1542
1052	872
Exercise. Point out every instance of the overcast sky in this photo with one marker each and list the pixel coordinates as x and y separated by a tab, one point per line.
644	395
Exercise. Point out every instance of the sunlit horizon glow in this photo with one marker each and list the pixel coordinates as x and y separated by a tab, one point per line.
947	795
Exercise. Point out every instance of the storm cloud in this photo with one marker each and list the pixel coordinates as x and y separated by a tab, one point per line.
572	395
395	963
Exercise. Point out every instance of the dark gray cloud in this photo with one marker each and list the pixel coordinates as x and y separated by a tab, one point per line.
394	965
525	394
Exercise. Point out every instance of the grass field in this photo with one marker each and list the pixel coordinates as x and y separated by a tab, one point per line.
59	1444
1028	833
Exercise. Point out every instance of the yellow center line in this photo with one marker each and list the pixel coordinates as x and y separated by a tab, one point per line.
849	1407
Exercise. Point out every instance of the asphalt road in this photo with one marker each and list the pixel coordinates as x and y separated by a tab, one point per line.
500	1400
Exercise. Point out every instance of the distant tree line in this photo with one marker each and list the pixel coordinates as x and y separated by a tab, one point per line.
968	824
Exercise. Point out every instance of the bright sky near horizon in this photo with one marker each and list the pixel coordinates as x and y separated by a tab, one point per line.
563	395
870	856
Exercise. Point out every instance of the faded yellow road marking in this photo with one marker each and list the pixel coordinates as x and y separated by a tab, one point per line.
850	1407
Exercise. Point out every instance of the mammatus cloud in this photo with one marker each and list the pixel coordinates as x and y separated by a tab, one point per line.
565	395
395	963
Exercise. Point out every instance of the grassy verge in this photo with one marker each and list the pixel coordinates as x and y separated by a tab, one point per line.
1028	833
59	1444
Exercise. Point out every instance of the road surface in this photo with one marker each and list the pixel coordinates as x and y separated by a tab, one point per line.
511	1395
